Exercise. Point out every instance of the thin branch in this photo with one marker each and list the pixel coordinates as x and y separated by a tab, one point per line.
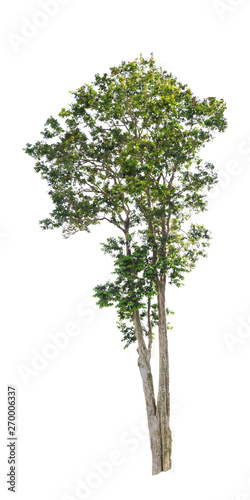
150	333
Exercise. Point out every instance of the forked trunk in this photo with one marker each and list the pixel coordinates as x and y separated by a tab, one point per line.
158	416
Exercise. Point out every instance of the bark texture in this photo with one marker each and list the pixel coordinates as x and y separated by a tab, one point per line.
163	401
157	415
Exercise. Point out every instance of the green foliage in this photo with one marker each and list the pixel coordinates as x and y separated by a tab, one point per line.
126	151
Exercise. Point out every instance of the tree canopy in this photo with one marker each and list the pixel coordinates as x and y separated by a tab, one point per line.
126	150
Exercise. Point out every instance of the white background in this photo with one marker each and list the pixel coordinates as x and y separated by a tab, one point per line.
87	402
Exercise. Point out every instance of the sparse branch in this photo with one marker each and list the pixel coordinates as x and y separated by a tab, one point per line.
111	221
150	333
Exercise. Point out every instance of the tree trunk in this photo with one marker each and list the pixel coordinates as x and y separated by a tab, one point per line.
159	432
163	400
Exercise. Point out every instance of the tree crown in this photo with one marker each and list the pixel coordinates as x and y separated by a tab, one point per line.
126	151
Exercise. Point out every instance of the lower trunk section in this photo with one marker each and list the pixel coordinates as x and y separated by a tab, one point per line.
158	417
166	440
161	444
163	400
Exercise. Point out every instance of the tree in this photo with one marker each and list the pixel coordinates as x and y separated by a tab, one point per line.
126	151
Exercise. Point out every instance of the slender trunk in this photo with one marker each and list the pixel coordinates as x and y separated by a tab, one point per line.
158	416
163	400
157	429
